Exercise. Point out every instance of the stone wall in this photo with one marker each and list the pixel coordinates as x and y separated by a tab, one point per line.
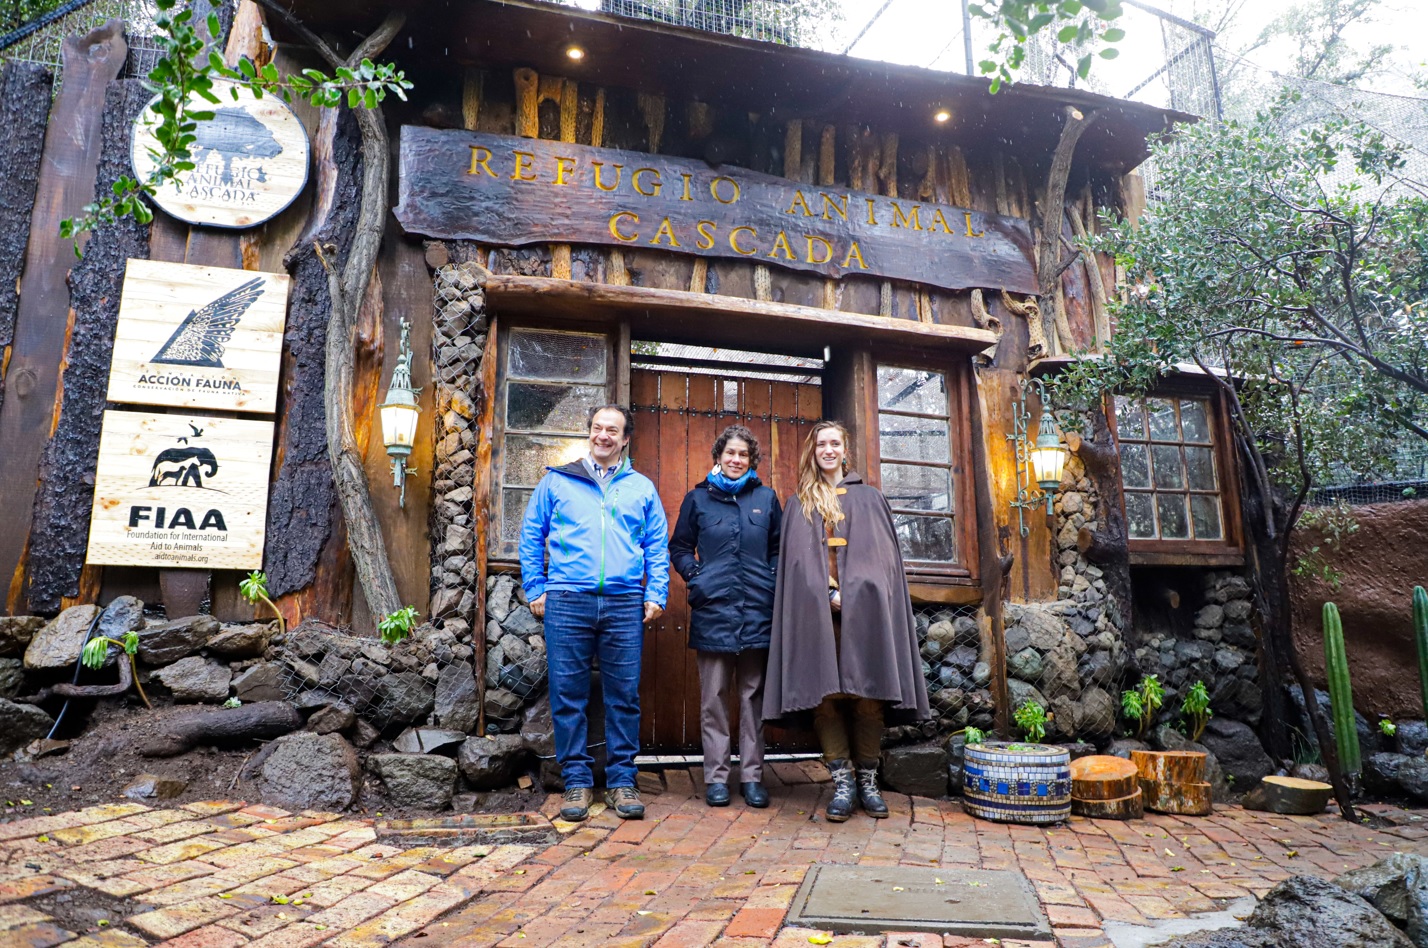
516	666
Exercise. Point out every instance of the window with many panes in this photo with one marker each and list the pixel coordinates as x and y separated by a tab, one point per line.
915	448
551	380
1170	469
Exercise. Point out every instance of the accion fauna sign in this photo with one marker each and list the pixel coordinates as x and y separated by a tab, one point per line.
250	160
180	491
502	189
199	337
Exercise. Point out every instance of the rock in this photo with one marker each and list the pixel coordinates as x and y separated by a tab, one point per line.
456	706
1413	778
364	735
406	697
1411	737
1381	773
125	614
1315	772
1095	714
491	762
941	639
1124	746
1210	617
12	677
537	728
1025	665
1058	673
428	740
423	781
1395	886
260	683
57	645
498	603
515	649
168	642
1239	751
502	705
43	747
1311	913
20	724
1237	699
247	640
196	679
981	674
307	771
16	633
522	622
1369	738
154	787
1021	692
1017	638
1044	627
918	770
331	719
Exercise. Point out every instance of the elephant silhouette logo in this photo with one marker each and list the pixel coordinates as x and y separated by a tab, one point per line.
185	466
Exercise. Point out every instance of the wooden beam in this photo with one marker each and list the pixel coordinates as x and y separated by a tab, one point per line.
543	296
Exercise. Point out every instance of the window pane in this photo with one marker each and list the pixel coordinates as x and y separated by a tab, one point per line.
1140	515
528	455
1166	461
912	390
1135	465
913	439
1205	513
567	356
917	488
1193	421
1130	419
1161	412
1171	511
551	407
1200	468
513	511
925	538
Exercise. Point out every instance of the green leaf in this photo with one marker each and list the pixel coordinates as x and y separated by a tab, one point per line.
1083	66
1110	53
1067	33
1114	35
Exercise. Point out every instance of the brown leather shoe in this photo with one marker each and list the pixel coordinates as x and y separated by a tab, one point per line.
575	804
625	801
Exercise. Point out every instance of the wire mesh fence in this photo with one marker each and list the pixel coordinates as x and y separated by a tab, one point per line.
958	680
42	40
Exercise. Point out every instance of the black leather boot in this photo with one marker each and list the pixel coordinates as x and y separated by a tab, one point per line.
872	799
845	793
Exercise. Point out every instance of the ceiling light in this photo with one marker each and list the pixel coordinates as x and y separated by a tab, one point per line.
575	53
941	116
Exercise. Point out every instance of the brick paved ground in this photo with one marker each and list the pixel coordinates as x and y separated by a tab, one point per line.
214	875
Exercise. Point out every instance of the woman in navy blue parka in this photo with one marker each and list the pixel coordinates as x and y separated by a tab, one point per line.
725	545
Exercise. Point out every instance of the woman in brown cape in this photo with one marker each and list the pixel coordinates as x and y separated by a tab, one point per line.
844	643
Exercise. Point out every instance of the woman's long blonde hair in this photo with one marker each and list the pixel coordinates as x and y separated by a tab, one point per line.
813	491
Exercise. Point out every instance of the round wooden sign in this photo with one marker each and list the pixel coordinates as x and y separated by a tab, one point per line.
251	160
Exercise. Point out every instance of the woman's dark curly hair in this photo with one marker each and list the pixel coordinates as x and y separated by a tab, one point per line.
740	433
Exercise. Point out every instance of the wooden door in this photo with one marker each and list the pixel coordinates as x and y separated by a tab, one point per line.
677	417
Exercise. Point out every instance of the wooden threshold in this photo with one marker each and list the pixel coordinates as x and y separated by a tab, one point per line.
679	316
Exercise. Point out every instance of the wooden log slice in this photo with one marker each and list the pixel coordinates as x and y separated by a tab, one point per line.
1180	799
1101	777
1170	767
1289	795
1128	807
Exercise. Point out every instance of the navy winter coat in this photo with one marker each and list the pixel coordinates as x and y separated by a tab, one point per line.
731	583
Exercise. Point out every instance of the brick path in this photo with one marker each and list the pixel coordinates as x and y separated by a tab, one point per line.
220	874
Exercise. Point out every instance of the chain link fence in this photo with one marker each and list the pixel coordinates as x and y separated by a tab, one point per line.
958	677
42	39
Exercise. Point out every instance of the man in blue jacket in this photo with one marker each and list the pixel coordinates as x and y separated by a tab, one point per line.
595	566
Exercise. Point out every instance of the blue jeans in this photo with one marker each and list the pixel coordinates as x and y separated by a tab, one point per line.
578	627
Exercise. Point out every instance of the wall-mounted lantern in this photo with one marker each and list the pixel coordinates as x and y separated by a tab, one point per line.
1042	461
399	414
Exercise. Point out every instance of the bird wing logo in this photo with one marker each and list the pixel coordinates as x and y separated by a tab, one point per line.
200	338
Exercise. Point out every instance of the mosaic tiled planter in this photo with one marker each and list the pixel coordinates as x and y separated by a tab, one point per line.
1017	783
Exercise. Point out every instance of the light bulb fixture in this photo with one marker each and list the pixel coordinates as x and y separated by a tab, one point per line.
399	414
1042	460
942	116
574	53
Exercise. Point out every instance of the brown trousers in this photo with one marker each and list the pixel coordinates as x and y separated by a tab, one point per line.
849	727
721	673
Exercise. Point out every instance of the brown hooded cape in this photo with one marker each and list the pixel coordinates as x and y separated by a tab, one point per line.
879	654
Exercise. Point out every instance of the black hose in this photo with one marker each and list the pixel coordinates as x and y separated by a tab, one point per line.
78	666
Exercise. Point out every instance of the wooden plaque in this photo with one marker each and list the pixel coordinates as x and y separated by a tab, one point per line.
199	337
180	491
251	160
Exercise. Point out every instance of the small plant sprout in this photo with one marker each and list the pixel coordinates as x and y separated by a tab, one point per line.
396	626
233	703
973	735
1141	704
1031	718
1386	727
96	650
254	588
1196	708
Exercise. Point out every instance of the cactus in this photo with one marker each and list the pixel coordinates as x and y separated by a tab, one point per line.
1341	693
1420	636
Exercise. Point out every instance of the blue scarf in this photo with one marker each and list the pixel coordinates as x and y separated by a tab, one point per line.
719	480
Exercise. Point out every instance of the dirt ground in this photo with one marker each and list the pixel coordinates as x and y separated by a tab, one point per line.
103	760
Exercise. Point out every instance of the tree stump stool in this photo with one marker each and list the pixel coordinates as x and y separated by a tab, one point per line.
1173	782
1106	788
1291	796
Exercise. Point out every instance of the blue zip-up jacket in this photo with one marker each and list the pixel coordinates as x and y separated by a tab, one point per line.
582	536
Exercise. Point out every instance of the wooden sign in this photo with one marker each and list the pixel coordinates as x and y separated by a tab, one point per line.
505	190
251	160
180	491
199	337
